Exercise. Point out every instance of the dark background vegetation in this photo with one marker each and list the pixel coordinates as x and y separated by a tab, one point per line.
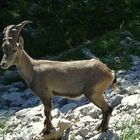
60	25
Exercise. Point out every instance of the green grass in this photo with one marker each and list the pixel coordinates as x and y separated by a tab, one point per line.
5	127
131	130
74	55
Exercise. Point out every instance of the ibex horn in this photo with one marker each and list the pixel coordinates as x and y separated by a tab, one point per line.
19	27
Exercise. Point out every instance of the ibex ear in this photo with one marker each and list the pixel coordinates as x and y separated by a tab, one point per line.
20	42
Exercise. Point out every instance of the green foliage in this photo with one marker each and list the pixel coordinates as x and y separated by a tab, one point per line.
108	49
5	127
130	130
60	25
74	55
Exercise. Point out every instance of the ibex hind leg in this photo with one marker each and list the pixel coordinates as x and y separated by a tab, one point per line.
99	100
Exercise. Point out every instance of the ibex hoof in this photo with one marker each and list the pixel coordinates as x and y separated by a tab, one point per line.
47	131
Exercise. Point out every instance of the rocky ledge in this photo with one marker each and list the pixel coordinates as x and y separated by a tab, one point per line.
73	120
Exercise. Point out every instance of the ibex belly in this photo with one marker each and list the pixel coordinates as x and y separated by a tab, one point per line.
67	87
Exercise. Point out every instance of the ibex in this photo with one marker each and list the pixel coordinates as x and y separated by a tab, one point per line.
49	78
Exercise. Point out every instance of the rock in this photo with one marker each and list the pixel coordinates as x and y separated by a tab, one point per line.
137	91
131	76
129	42
86	119
68	107
13	89
62	101
88	53
109	136
27	93
135	59
64	124
131	100
31	102
116	101
128	39
3	112
17	103
85	108
95	113
13	98
126	44
78	137
20	85
125	34
55	113
136	44
3	103
3	88
83	132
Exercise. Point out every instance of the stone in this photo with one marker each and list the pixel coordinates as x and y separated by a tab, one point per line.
125	34
86	119
68	107
136	44
83	132
109	136
20	85
3	88
64	124
88	53
17	103
31	102
137	91
13	89
3	102
13	99
138	111
116	101
78	137
55	113
95	113
3	112
135	59
131	100
27	93
85	108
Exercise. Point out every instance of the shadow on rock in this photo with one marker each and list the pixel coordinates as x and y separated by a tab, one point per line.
109	136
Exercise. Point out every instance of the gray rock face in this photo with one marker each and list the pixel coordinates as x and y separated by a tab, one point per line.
129	43
88	53
126	34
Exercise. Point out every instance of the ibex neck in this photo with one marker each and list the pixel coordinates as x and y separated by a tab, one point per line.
25	67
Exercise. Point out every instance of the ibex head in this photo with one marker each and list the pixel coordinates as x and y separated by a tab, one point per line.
12	44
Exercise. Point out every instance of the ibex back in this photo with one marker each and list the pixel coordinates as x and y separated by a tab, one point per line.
50	78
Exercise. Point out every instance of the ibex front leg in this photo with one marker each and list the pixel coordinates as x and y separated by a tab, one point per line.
47	112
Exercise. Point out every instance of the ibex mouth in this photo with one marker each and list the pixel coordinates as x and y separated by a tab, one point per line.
4	66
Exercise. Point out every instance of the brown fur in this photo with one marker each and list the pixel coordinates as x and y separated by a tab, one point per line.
70	79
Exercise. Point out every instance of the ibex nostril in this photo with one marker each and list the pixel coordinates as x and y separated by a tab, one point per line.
2	64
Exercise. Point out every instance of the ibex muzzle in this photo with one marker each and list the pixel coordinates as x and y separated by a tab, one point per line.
49	78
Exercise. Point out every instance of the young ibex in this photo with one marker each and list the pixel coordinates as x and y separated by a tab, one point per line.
49	78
